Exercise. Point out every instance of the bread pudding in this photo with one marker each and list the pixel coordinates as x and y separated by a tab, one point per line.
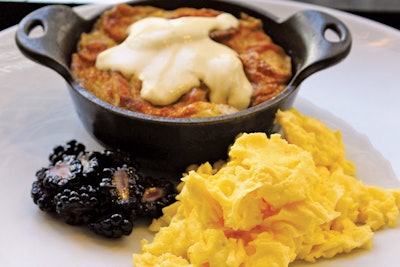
160	73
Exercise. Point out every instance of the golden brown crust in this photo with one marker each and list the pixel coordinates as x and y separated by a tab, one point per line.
266	64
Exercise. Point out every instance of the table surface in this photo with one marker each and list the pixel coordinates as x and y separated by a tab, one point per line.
359	5
384	11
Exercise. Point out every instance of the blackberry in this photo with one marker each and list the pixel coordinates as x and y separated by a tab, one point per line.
76	206
119	193
42	197
102	190
66	172
120	187
158	193
71	148
113	225
92	164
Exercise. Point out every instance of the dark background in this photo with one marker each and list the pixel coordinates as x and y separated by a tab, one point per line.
12	12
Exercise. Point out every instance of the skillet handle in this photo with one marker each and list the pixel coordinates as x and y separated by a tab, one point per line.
57	41
320	52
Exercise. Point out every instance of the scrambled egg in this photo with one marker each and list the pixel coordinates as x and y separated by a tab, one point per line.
276	200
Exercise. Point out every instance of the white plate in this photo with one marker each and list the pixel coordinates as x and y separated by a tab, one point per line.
360	96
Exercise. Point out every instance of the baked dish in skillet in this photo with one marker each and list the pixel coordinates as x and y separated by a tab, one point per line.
266	66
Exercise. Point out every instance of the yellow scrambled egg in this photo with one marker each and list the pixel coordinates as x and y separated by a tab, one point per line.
276	200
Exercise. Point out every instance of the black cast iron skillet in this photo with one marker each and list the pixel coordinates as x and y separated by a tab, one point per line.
172	144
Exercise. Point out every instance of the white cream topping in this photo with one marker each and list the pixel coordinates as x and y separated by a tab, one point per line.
172	56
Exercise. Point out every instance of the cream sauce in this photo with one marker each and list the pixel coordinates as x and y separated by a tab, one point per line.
172	56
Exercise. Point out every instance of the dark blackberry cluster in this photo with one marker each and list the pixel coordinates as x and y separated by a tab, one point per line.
102	190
